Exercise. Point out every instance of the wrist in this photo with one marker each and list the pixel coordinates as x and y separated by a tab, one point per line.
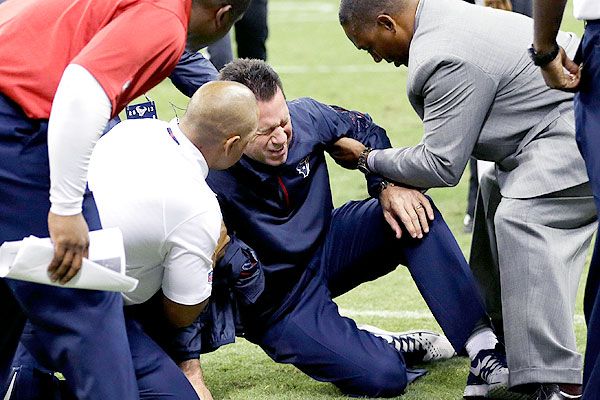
383	185
542	55
362	164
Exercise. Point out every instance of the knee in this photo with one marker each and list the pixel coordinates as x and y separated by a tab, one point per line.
383	379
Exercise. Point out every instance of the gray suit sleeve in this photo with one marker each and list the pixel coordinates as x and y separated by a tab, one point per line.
453	100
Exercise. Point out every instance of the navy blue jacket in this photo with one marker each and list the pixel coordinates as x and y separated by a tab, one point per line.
283	212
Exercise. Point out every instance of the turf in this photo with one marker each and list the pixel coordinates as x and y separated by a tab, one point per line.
309	49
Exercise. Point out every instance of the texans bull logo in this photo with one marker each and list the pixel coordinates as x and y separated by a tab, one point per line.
303	167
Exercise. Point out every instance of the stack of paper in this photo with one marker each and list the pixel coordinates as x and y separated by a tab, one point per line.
28	260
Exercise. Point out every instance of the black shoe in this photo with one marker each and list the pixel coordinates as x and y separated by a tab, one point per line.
552	391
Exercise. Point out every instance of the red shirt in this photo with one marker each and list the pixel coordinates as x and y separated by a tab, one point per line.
129	46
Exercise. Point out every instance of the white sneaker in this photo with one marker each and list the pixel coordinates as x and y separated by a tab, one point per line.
488	375
416	346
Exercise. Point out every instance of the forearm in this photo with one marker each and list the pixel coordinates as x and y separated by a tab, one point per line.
547	19
415	167
80	112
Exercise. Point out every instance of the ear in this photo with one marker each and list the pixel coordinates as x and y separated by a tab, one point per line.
387	22
222	15
230	144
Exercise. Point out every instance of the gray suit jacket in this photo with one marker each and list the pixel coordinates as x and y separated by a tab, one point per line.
472	83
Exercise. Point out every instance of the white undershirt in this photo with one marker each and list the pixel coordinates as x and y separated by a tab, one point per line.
154	189
586	9
80	111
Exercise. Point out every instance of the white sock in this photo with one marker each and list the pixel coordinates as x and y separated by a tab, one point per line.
483	339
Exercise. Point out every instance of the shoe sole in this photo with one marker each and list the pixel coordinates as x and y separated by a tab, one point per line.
496	391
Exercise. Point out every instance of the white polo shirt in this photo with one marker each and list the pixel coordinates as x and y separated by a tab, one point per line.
586	9
149	180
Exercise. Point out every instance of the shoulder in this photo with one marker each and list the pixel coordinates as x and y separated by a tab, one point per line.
305	106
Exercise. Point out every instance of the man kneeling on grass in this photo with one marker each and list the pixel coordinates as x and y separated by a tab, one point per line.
277	199
170	221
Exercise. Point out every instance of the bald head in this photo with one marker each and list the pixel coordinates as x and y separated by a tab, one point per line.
220	119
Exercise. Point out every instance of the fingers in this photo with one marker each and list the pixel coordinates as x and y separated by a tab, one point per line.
408	206
570	65
59	254
427	206
393	224
74	268
412	220
64	266
421	213
71	241
408	217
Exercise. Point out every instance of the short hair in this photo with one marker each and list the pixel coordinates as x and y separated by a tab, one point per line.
257	75
357	13
238	7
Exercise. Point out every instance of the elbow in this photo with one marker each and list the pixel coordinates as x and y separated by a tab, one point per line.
453	181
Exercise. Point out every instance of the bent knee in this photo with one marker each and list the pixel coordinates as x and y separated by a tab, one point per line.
381	380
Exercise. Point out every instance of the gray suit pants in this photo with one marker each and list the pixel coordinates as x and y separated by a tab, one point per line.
538	248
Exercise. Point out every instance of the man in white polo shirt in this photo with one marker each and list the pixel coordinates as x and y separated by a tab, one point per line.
583	76
170	218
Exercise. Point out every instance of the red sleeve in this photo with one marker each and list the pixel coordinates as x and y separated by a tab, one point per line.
134	52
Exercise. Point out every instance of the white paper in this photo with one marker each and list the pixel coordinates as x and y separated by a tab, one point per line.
29	258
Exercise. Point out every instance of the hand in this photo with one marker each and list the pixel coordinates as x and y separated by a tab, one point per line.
221	245
557	78
71	241
193	372
499	4
345	152
409	206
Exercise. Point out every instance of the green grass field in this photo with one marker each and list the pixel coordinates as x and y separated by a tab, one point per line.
309	50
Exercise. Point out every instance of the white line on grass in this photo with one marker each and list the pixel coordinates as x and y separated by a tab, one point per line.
579	318
333	69
304	6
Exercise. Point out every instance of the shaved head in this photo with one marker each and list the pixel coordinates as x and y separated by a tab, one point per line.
360	13
218	113
238	7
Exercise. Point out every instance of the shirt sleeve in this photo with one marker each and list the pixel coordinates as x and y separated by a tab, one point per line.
456	98
339	122
191	72
79	114
134	52
187	275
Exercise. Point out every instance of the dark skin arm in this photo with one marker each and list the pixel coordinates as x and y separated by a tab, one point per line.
408	206
179	315
547	18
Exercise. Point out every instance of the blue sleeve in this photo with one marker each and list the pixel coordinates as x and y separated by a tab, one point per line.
337	122
191	72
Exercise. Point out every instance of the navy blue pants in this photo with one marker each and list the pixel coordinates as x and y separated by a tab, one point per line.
587	114
158	377
82	331
360	247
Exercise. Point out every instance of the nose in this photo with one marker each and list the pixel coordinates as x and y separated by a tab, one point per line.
279	137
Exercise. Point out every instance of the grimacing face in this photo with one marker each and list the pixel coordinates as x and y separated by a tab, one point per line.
270	144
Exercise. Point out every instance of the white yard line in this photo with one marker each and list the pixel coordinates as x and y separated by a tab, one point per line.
333	69
579	318
302	7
